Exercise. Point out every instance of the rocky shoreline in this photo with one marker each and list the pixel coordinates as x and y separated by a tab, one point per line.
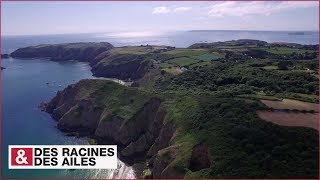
138	139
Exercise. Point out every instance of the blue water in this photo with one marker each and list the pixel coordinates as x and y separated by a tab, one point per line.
24	87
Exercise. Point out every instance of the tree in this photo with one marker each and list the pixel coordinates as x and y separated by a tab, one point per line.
283	65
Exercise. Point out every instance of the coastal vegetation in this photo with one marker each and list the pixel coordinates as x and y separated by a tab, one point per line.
213	110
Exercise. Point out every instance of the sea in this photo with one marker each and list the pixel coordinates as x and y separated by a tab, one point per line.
27	83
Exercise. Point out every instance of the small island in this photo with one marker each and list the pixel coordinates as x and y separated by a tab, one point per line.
212	110
4	56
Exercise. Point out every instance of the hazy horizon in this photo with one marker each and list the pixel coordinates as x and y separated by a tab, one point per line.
145	34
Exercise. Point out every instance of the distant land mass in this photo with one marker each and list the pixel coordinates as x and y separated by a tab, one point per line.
4	56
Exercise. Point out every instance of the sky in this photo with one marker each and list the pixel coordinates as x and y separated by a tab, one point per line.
134	18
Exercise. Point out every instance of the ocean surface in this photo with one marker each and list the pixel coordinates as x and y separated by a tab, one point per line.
24	87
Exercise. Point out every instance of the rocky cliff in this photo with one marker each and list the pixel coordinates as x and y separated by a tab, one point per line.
112	113
121	63
121	66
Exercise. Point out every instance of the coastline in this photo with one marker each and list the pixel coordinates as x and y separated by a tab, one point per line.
144	124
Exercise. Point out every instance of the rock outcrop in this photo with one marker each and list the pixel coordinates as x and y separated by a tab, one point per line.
200	158
140	135
121	66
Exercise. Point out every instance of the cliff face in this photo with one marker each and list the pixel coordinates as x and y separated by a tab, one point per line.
121	66
62	52
134	121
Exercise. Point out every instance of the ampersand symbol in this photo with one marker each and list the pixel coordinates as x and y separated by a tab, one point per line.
20	159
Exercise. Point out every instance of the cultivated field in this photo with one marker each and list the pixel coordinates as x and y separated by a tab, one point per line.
291	104
291	119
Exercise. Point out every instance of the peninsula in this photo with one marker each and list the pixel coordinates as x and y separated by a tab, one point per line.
213	110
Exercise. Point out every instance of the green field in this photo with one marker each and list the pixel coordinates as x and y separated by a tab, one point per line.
183	61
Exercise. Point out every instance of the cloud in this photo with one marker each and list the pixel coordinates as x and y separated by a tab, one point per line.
255	8
160	10
166	10
182	9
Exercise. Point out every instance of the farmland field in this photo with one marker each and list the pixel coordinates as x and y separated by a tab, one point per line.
291	104
183	61
309	120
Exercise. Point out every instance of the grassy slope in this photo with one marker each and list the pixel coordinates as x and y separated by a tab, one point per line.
188	57
119	100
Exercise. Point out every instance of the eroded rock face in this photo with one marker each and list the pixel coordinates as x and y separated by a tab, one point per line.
148	119
121	66
162	140
199	158
83	117
76	111
161	165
